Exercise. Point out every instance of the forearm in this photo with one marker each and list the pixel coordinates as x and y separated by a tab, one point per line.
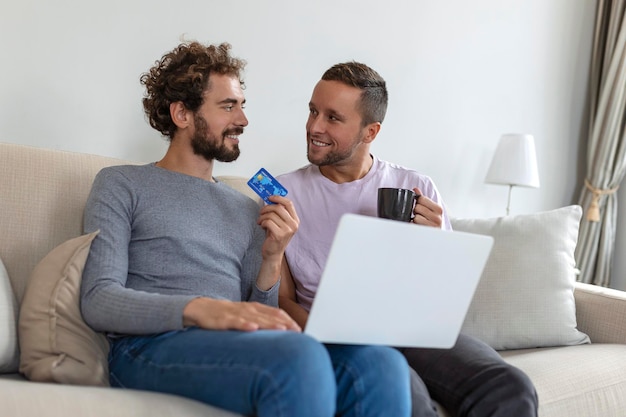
126	311
264	289
269	273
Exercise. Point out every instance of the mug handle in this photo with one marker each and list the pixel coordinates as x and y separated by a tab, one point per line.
416	199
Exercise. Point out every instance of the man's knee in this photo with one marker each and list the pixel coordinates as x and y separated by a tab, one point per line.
521	386
382	360
512	394
370	366
301	375
301	354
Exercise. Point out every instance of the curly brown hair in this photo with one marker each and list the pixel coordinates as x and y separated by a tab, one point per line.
374	95
183	75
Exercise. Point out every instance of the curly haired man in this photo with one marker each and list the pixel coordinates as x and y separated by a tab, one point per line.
184	274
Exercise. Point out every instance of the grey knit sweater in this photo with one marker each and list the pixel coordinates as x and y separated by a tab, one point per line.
166	238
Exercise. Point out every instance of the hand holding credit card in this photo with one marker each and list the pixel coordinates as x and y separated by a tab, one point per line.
265	185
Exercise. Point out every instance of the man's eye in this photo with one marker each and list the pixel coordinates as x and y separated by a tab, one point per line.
229	108
312	112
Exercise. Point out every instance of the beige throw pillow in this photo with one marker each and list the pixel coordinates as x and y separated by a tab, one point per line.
525	297
56	344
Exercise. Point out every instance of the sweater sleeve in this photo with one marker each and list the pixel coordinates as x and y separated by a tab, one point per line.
251	265
106	304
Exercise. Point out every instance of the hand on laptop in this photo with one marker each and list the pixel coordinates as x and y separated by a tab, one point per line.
427	212
209	313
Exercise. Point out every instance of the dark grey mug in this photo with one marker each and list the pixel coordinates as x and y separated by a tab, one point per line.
396	204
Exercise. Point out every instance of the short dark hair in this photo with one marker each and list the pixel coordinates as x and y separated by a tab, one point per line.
374	96
183	75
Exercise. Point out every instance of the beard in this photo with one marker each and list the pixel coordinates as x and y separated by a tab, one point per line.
207	145
333	157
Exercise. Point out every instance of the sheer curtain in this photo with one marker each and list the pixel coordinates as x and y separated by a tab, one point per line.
606	144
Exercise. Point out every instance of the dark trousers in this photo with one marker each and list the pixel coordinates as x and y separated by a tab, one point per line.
468	380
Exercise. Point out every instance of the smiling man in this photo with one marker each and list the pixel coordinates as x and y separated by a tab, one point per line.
346	111
184	274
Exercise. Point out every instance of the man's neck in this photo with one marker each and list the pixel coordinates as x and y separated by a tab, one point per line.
341	173
181	159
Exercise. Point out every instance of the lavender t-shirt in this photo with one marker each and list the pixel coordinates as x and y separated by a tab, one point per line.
320	203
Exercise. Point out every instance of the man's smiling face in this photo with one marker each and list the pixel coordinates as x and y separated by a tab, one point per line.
220	120
334	127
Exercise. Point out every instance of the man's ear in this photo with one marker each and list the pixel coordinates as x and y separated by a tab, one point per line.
371	130
180	115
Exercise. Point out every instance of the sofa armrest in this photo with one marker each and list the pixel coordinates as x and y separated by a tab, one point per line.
601	313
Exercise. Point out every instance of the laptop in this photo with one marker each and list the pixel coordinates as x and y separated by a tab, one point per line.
393	283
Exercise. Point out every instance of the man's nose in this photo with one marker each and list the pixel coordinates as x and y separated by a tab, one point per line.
241	119
316	125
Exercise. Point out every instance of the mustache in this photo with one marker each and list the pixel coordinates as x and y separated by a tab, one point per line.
234	131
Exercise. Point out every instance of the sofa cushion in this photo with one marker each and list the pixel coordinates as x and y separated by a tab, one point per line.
9	352
19	398
585	380
56	344
525	297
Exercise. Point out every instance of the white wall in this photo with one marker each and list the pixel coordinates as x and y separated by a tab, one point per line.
460	73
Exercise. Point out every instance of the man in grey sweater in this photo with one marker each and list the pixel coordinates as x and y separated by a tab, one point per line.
184	274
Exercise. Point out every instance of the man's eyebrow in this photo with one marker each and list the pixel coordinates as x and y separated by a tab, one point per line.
231	101
335	113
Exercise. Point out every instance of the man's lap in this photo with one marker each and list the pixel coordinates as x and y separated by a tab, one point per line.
471	374
246	362
230	369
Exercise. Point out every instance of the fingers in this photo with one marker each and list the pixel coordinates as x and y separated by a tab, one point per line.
286	203
250	316
282	214
209	313
427	212
280	222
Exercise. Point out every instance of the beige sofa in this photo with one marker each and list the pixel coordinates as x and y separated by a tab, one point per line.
41	202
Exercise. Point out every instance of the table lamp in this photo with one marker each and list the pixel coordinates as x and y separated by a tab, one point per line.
514	163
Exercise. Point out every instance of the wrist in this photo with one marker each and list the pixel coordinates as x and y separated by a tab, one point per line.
194	308
273	259
269	274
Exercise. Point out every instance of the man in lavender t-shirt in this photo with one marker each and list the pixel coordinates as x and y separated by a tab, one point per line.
346	110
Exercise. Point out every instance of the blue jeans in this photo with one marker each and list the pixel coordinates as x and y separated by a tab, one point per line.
265	373
468	380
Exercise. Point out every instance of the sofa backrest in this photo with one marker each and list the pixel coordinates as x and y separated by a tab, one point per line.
42	198
43	194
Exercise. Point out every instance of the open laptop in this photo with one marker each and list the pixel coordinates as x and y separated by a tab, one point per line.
394	283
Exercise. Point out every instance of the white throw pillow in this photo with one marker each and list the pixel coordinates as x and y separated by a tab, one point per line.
525	297
9	352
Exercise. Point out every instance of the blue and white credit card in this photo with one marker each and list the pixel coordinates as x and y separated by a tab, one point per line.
265	185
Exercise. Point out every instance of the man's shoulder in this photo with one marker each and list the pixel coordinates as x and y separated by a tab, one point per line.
126	170
400	170
383	164
123	175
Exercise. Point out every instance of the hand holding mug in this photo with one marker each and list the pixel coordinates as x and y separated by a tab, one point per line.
409	206
426	211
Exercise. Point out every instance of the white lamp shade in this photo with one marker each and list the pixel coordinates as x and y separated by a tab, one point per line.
514	162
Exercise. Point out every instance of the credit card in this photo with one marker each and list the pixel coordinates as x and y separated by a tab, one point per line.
265	185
